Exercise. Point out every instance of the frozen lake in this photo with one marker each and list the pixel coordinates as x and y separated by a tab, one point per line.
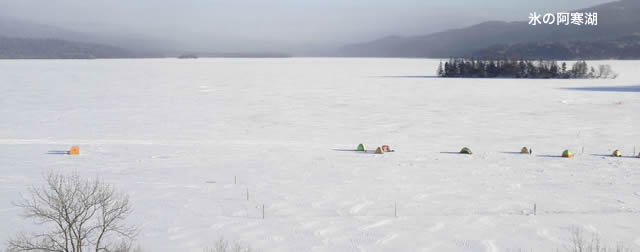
160	129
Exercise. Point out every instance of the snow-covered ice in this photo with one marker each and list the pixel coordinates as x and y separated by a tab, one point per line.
174	134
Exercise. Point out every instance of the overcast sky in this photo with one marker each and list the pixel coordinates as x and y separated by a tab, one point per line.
293	21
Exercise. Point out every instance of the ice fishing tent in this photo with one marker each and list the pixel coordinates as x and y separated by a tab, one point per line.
75	150
466	150
379	151
361	147
524	150
617	153
386	148
567	154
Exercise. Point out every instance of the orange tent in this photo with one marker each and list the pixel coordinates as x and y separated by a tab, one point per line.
75	150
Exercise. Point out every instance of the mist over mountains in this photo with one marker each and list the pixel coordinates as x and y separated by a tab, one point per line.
36	48
22	39
616	36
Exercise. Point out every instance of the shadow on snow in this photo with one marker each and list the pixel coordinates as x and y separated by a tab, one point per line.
352	150
607	89
412	76
603	155
57	152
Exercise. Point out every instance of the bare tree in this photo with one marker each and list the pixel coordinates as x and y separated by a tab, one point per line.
578	243
78	214
223	246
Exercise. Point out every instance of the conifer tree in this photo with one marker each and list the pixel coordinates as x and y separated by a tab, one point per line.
460	67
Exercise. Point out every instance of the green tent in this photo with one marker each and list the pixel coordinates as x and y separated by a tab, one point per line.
361	147
466	150
567	154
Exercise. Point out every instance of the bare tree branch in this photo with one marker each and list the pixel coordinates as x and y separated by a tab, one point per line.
80	215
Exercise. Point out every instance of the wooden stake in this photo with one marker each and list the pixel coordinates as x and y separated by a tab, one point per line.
395	209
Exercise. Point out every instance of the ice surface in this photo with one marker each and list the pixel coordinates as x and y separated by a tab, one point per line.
163	130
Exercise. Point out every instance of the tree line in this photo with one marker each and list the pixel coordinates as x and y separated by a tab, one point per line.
510	68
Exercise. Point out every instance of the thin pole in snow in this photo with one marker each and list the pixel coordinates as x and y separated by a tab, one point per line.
247	194
235	179
263	211
535	208
395	209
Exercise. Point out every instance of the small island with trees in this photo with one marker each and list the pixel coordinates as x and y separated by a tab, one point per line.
526	69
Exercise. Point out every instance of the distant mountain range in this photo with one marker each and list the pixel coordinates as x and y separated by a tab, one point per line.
25	40
627	47
35	48
617	35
